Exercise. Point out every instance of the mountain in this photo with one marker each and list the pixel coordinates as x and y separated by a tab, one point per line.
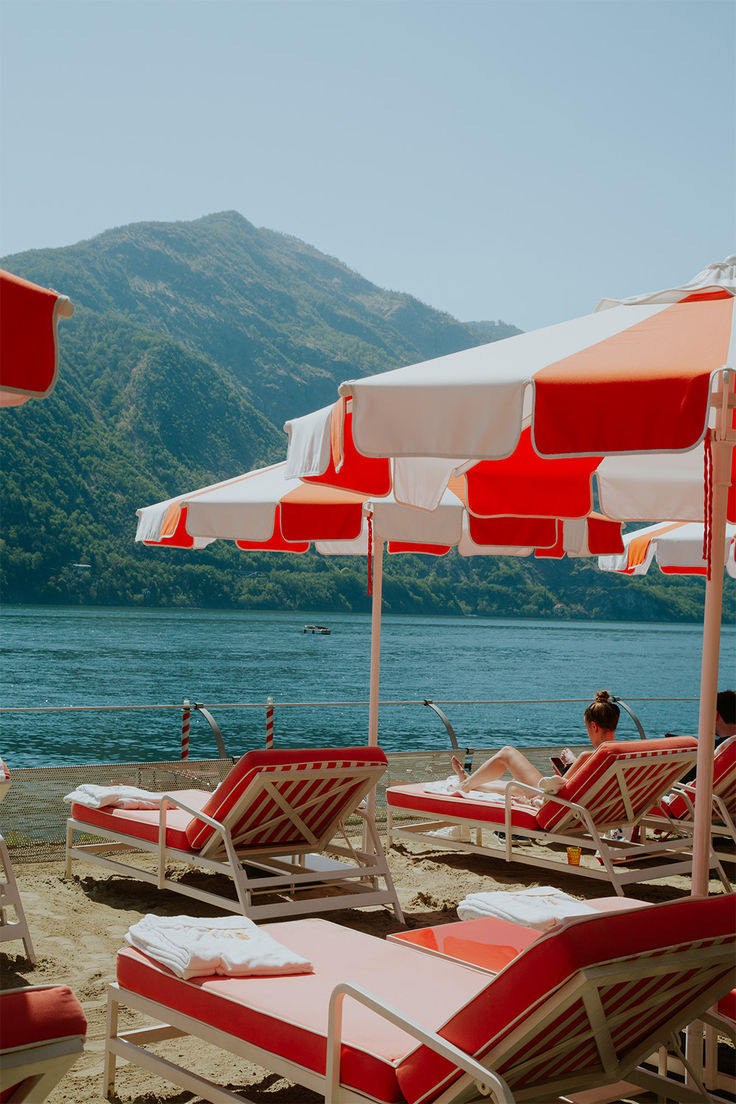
190	345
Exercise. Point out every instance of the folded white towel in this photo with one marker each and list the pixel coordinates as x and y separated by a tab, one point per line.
540	907
124	797
229	945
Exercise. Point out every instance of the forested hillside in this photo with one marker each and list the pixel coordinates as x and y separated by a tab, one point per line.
190	345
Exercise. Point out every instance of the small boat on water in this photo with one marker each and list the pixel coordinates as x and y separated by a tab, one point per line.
317	629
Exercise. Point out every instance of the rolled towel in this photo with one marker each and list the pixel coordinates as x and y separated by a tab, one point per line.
540	907
124	797
230	945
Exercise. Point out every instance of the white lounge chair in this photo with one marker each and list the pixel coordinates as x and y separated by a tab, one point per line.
580	1008
270	827
615	788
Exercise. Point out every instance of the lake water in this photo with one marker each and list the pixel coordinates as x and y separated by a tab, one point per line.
56	657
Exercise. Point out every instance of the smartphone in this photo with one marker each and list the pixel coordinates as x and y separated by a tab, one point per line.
559	764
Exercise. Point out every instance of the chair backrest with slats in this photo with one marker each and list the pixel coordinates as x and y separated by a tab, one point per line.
587	1002
620	782
724	783
288	801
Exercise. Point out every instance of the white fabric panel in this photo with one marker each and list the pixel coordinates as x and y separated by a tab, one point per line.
720	275
242	508
421	481
394	521
471	403
664	485
672	548
309	444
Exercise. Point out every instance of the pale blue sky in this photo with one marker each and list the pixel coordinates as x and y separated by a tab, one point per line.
514	160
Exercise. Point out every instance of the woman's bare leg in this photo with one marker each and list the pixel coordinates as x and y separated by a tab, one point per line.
507	759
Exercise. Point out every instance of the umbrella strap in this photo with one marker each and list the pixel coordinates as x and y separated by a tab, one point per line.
708	503
370	554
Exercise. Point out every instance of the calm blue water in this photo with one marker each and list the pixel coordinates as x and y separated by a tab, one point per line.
82	657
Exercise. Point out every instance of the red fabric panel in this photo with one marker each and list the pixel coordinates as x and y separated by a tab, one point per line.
516	531
36	1015
650	779
533	978
418	549
357	472
27	335
143	823
244	772
311	512
654	375
416	797
174	529
277	542
604	536
527	484
287	1015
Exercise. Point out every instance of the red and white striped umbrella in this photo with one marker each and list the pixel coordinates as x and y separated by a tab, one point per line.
29	353
267	511
639	395
678	548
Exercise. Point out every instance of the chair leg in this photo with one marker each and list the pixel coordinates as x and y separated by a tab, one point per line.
10	896
108	1081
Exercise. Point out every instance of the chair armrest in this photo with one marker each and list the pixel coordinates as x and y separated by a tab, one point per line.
488	1082
169	799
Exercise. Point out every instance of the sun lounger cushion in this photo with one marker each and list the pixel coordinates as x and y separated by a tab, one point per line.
542	969
581	786
724	785
144	823
262	821
37	1015
288	1015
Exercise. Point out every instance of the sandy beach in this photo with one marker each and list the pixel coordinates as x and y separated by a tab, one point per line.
77	927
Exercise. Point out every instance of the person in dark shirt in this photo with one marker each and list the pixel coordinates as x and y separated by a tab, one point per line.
725	723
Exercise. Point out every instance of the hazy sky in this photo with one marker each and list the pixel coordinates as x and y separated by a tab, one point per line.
515	160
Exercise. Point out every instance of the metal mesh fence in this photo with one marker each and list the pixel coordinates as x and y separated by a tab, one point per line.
33	814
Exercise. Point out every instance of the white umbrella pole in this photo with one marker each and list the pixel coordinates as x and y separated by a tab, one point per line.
375	641
721	451
374	692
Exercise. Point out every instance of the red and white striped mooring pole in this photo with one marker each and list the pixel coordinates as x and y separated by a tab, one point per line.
269	724
185	715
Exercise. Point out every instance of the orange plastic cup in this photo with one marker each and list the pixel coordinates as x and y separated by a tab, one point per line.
573	855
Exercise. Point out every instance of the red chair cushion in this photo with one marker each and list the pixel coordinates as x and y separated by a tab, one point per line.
646	781
287	1015
540	971
143	823
37	1015
416	797
258	814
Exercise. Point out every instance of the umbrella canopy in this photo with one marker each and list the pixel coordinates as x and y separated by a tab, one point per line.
268	511
643	387
29	353
676	546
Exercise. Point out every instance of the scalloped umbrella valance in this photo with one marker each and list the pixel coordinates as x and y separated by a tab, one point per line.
29	352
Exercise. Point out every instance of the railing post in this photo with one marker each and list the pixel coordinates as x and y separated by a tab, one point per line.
186	714
269	724
215	729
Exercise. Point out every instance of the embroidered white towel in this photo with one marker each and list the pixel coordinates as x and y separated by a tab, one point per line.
539	907
228	945
124	797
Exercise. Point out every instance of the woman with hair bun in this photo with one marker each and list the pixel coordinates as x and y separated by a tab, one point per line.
601	719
